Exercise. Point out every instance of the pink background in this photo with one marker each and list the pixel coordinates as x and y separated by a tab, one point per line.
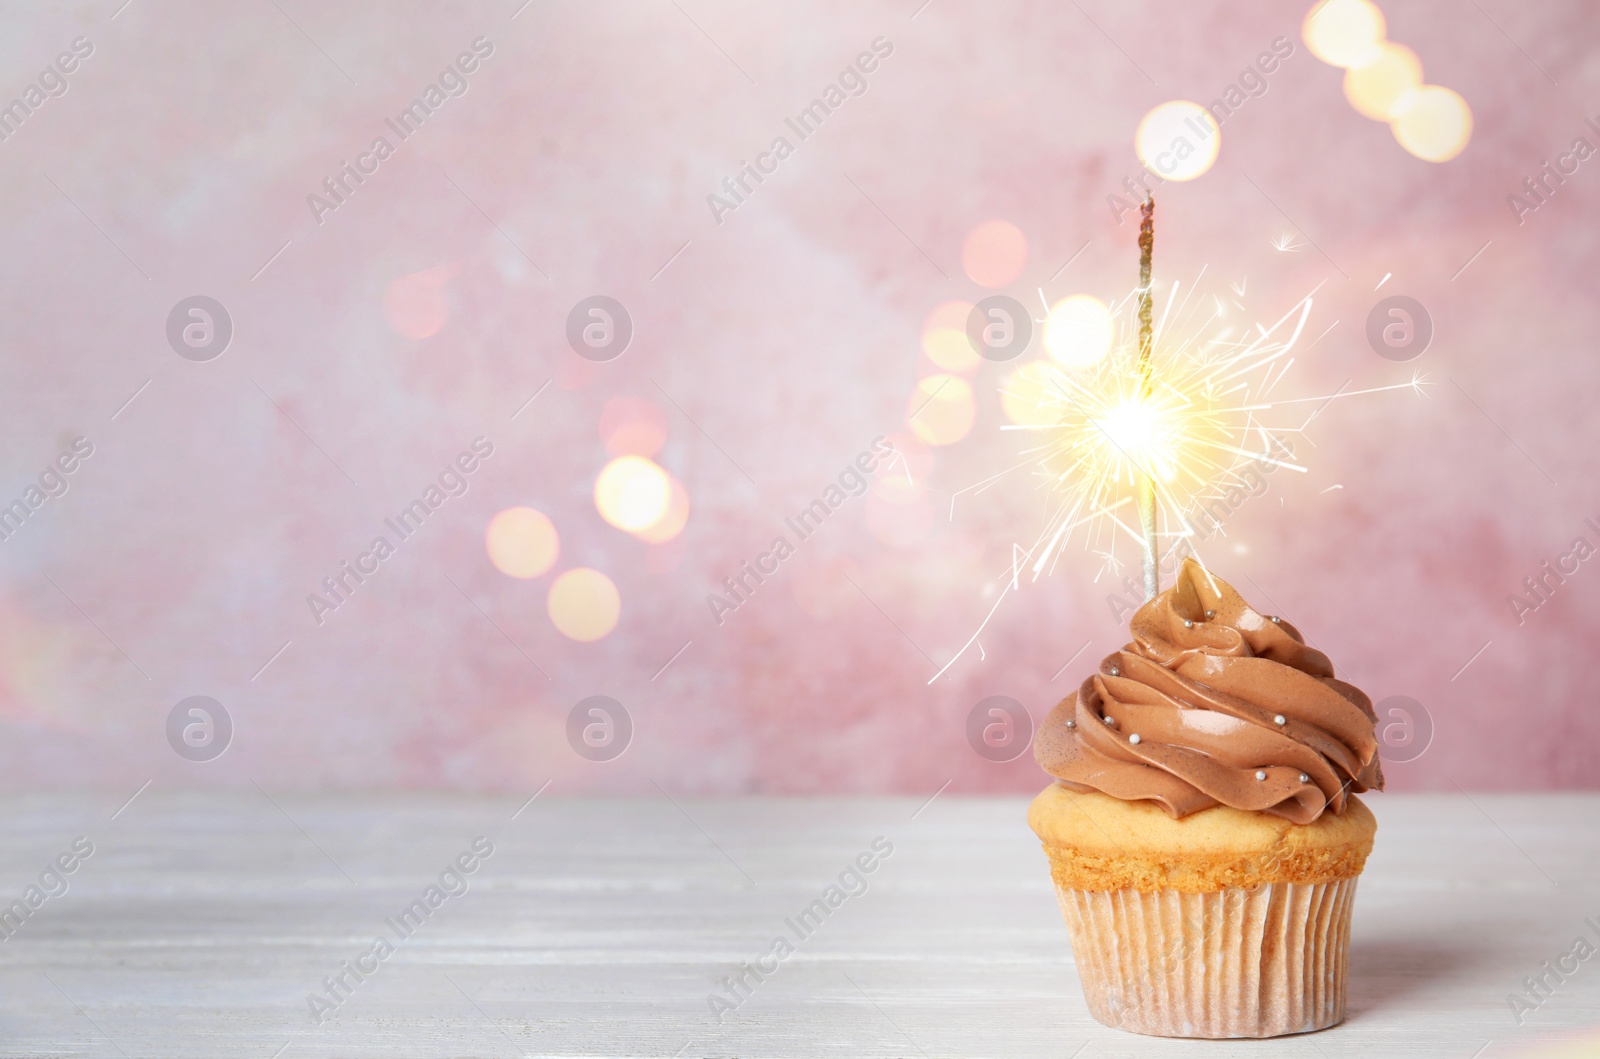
179	561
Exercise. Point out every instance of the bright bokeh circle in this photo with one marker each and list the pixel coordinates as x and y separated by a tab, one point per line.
522	542
1178	140
1379	88
994	253
632	493
1344	32
945	341
1434	123
673	518
584	604
940	410
1079	331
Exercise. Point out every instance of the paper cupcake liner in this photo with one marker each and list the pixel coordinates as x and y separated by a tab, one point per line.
1233	963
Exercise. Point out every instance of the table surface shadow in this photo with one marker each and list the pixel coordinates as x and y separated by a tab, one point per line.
276	927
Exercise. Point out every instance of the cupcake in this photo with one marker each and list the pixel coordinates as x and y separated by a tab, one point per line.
1203	830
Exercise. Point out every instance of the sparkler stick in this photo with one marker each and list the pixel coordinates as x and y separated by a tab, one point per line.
1146	484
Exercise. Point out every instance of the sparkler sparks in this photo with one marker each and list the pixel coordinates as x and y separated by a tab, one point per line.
1191	426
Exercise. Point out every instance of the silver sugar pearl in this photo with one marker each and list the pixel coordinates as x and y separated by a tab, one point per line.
1260	775
1279	719
1210	614
1110	720
1071	723
1116	672
1187	624
1276	620
1304	778
1134	739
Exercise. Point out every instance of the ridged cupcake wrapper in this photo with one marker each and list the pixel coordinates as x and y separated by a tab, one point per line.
1234	963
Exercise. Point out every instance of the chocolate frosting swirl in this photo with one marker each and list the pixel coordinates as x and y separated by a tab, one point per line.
1202	687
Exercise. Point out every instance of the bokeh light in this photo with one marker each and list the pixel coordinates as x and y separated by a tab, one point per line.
1434	123
945	341
632	493
1079	330
1178	140
584	604
1022	394
994	253
940	409
1344	32
418	305
522	542
632	426
1378	89
673	518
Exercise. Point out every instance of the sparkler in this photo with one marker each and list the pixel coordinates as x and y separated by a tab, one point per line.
1174	414
1147	485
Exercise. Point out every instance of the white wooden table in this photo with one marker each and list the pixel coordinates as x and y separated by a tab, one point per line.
201	922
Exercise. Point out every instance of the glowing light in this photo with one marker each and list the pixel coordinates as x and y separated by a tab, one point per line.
1434	123
1178	140
1079	331
672	520
994	253
418	306
1146	433
945	341
1344	32
1199	425
940	409
522	542
632	493
1022	397
632	426
584	604
1105	430
1191	417
1378	89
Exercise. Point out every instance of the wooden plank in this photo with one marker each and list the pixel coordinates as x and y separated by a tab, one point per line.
201	923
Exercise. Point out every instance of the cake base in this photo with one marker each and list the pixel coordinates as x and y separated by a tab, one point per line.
1234	963
1097	842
